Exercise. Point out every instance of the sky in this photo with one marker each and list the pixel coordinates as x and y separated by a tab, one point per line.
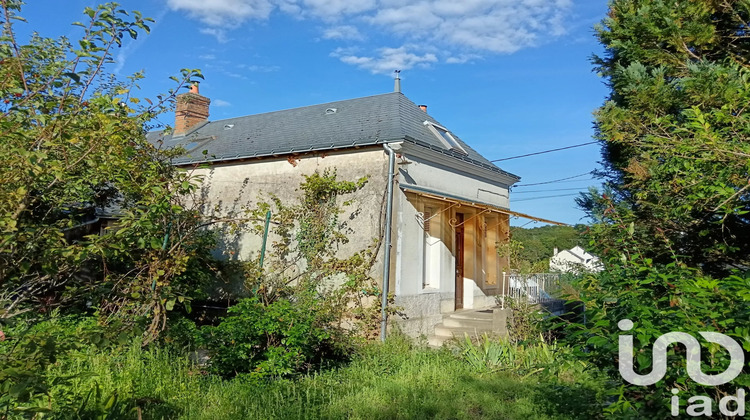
510	77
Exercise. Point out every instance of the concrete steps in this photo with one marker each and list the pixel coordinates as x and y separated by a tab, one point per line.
474	322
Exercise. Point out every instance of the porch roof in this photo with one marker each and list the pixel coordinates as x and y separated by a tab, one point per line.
439	195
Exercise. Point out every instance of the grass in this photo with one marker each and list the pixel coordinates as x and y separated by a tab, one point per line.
395	380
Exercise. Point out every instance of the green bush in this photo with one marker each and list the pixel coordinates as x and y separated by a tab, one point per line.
658	298
181	335
281	338
31	347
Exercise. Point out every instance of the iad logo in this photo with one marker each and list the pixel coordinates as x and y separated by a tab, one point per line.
693	358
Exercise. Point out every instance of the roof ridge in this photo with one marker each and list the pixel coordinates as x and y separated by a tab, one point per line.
302	107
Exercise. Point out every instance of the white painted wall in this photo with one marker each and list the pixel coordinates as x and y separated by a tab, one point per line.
424	173
426	306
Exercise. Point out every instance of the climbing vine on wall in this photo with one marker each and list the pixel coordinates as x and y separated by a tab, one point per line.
304	257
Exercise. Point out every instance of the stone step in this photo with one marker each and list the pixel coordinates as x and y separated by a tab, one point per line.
443	331
474	322
471	314
467	323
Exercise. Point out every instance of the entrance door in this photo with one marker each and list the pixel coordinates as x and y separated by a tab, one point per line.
459	261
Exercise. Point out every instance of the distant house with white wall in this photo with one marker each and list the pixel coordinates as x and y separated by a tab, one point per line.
575	259
450	205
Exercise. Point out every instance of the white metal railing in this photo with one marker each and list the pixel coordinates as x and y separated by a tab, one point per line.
533	288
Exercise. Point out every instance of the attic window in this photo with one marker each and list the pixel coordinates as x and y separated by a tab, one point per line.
190	146
330	111
445	137
195	144
228	126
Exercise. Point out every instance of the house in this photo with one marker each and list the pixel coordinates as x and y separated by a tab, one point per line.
449	205
575	259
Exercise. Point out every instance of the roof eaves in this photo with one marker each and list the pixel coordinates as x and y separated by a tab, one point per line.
460	156
275	153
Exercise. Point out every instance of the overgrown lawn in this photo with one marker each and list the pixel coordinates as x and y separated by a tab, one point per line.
395	380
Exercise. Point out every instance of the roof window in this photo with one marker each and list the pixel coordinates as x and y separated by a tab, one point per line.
445	137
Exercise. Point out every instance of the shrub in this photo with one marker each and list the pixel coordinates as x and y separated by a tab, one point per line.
658	298
28	349
279	339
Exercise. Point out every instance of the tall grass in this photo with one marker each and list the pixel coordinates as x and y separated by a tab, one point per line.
395	380
486	353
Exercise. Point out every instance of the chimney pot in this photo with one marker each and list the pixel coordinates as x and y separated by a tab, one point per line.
423	107
194	88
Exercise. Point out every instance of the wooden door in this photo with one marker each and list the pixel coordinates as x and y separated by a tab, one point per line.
459	242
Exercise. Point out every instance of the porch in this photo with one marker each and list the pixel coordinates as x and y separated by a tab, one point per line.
538	290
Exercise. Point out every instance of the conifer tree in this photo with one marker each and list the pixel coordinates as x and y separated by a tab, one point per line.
675	129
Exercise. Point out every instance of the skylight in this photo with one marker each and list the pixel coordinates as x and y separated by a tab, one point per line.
445	137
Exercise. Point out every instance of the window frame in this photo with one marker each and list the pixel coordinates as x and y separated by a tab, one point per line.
431	261
446	137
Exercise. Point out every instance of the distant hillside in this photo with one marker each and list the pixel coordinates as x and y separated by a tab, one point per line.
539	242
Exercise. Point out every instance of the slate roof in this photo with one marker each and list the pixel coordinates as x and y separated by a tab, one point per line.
343	124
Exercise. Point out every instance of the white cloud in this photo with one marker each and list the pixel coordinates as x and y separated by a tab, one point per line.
207	57
459	30
263	69
219	34
223	13
220	102
388	60
332	9
345	32
462	58
498	26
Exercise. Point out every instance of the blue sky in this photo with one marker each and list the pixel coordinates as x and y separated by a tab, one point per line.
509	77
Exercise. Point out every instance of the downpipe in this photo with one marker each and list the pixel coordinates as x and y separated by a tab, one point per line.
387	239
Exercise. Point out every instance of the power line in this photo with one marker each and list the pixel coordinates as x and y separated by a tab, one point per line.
555	180
546	196
575	180
556	189
545	151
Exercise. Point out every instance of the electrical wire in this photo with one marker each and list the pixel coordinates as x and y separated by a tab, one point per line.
545	196
554	180
544	151
553	190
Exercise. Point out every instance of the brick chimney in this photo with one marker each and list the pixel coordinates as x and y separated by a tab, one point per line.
192	109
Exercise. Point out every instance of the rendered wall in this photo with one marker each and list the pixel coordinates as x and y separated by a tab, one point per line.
424	305
227	188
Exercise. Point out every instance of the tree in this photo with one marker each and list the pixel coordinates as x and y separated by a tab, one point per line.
672	223
73	141
675	128
539	242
